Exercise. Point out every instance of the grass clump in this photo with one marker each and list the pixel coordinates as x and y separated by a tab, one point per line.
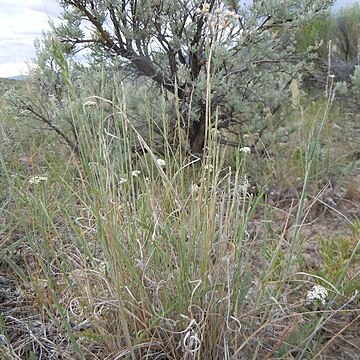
111	254
340	262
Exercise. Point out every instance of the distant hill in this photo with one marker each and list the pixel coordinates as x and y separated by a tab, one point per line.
4	81
9	83
18	77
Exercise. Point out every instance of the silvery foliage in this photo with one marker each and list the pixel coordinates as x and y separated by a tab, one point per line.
45	98
57	90
252	48
350	91
337	33
341	88
247	50
355	82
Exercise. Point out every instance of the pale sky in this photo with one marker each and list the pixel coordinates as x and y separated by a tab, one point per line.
22	21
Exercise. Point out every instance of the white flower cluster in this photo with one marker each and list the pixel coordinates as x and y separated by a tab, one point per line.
194	188
317	292
161	163
91	103
135	173
245	150
36	180
204	10
221	16
215	131
243	188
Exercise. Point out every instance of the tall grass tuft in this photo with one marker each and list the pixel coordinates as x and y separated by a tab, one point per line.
121	255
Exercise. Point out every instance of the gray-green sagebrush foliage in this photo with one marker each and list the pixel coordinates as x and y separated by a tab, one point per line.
226	63
246	52
351	90
337	33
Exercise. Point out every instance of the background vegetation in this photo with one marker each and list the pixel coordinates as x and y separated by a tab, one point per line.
123	236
